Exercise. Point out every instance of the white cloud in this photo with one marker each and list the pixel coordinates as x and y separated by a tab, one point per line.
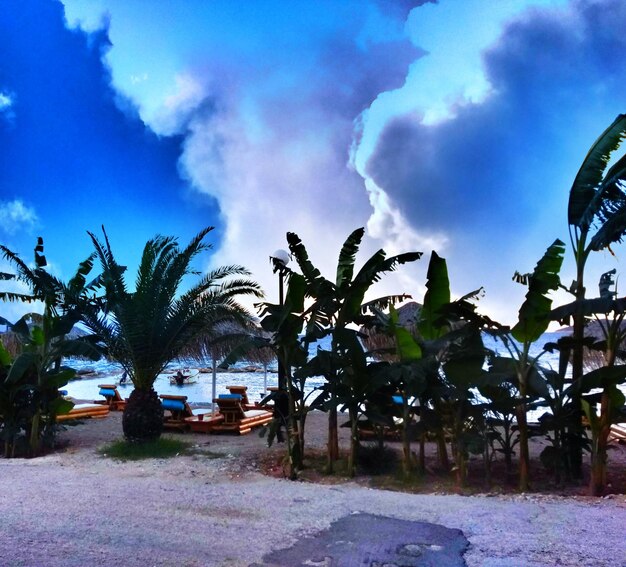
141	78
7	102
16	216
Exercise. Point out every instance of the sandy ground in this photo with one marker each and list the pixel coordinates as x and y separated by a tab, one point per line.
77	507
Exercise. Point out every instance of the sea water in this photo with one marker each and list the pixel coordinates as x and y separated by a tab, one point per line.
201	392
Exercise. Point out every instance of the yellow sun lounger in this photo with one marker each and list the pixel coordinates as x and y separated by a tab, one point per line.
177	411
236	418
618	433
112	397
82	411
245	401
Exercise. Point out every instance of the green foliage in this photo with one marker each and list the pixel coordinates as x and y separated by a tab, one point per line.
335	306
145	329
534	313
161	448
377	460
408	349
29	384
437	296
596	197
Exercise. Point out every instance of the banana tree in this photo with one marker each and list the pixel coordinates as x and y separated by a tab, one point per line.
29	392
338	304
597	219
533	320
609	313
435	366
285	323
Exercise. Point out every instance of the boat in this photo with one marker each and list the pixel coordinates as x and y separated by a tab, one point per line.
184	378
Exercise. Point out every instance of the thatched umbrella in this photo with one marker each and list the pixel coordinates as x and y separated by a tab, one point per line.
11	343
226	338
408	316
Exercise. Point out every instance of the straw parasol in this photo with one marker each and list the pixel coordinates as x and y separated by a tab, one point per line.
11	343
374	340
223	340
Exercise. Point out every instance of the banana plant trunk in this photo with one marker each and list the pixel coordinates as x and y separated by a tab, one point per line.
333	441
524	455
294	447
460	458
597	483
575	429
442	449
407	457
35	441
354	442
522	423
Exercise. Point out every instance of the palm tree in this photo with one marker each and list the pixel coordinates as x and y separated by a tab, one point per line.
146	329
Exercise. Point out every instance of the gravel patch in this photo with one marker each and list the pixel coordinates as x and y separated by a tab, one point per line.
79	508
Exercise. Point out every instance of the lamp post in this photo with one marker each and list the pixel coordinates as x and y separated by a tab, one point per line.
279	261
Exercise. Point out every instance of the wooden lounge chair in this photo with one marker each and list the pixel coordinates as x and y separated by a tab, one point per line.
112	397
177	410
618	433
204	422
236	418
245	401
83	411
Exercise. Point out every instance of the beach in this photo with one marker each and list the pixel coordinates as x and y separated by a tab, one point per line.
214	507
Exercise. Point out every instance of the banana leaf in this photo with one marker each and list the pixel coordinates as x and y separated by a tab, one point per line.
437	296
534	313
588	195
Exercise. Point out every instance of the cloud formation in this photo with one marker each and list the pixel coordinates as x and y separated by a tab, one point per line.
72	153
278	159
15	216
495	177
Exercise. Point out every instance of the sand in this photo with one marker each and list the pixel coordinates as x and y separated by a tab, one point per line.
77	507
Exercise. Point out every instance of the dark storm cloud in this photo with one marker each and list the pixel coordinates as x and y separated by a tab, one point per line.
557	78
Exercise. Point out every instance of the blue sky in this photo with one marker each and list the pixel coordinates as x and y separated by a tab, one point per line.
456	125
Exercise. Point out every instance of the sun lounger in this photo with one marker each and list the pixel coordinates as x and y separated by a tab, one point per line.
245	401
177	410
112	397
618	433
204	422
82	411
236	418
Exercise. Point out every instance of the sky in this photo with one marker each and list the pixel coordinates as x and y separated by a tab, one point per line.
456	126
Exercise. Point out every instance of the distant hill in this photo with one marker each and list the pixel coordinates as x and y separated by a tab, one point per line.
592	328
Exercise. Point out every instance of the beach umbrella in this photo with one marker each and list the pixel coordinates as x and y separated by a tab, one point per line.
374	340
11	343
223	340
